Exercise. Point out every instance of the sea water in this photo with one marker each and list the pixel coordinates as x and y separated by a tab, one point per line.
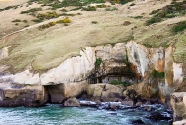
53	114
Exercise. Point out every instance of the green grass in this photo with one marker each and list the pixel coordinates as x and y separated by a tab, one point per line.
157	74
31	10
179	27
173	10
98	62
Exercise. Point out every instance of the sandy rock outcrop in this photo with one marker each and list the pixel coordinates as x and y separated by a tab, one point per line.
71	102
60	92
105	92
22	95
74	69
4	53
178	103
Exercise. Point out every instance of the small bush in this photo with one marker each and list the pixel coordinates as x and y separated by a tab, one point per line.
138	17
16	24
66	20
148	45
133	4
153	20
25	21
47	25
65	24
98	62
26	26
94	22
31	10
47	15
64	10
111	8
169	11
16	20
157	74
181	26
89	8
126	23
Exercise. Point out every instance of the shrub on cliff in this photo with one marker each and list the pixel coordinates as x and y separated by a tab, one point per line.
157	74
169	11
179	27
118	82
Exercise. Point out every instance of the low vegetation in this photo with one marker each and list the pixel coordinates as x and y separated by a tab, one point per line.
179	27
98	62
47	15
31	10
16	20
173	10
111	8
118	82
157	74
50	24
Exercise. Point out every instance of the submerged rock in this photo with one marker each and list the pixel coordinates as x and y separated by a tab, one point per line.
138	122
156	116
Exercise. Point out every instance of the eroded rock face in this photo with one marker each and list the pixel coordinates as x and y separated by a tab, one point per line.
4	53
22	95
178	103
105	92
60	92
69	77
71	70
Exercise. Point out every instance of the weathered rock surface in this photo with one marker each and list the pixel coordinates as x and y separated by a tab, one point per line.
4	53
71	102
105	92
178	103
60	92
22	95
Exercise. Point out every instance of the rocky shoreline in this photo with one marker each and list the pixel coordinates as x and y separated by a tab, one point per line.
140	75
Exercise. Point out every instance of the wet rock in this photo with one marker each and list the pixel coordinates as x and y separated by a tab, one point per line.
88	103
71	102
128	102
138	122
112	113
139	104
158	116
114	105
147	108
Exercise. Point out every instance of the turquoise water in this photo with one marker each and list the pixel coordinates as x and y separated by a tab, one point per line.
56	115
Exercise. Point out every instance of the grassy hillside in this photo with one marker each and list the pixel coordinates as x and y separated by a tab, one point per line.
46	40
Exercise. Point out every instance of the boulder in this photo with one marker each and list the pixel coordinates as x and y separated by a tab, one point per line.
183	122
71	102
12	95
128	103
106	92
112	93
178	104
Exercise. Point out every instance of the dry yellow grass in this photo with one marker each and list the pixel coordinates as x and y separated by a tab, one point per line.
48	48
